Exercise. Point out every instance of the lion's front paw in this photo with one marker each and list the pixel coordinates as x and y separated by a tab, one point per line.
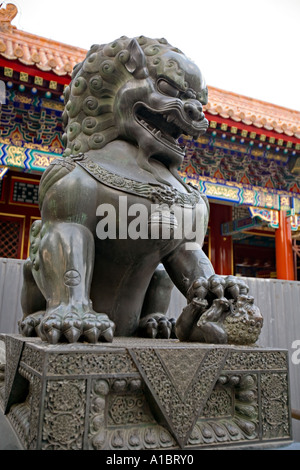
89	326
29	326
157	326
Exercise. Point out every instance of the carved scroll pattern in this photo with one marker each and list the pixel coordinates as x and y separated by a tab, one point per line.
256	360
120	417
82	363
128	409
220	403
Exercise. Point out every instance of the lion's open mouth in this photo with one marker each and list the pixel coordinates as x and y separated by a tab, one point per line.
165	126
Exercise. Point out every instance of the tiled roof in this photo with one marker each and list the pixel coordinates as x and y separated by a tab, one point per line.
253	112
55	57
30	50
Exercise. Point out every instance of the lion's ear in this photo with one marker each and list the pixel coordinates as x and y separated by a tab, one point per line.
136	63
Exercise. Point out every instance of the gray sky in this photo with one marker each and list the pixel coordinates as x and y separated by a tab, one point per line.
250	47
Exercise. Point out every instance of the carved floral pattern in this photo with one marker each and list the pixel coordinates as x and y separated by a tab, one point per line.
63	425
32	358
274	405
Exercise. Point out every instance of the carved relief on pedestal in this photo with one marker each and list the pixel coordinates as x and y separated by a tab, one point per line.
275	420
141	397
64	416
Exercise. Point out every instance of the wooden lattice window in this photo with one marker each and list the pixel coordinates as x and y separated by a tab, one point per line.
10	238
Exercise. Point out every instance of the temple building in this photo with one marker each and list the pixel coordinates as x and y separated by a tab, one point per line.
247	163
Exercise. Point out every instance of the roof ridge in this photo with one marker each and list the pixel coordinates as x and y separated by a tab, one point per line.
254	100
59	58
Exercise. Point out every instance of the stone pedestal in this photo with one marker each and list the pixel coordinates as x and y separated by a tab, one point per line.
137	394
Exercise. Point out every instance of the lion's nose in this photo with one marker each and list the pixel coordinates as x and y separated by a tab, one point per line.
194	110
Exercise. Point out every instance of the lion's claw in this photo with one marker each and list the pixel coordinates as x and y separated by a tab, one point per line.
51	327
26	328
157	326
71	327
151	328
29	325
163	328
108	335
90	326
97	329
52	333
91	334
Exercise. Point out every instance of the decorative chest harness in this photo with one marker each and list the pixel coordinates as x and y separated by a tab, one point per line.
156	193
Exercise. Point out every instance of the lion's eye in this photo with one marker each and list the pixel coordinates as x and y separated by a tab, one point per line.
189	94
167	89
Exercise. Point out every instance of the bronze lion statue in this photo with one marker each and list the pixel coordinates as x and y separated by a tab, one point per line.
119	227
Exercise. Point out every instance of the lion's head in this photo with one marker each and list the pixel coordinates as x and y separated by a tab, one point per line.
141	90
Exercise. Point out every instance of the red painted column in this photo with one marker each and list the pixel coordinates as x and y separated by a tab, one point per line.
221	251
284	250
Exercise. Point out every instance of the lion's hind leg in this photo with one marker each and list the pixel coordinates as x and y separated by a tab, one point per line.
154	321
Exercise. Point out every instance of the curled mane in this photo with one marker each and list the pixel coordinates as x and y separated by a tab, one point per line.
88	117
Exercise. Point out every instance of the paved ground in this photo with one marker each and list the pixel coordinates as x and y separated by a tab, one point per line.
9	440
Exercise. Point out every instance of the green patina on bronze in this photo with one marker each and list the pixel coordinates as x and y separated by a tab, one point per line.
89	116
127	105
